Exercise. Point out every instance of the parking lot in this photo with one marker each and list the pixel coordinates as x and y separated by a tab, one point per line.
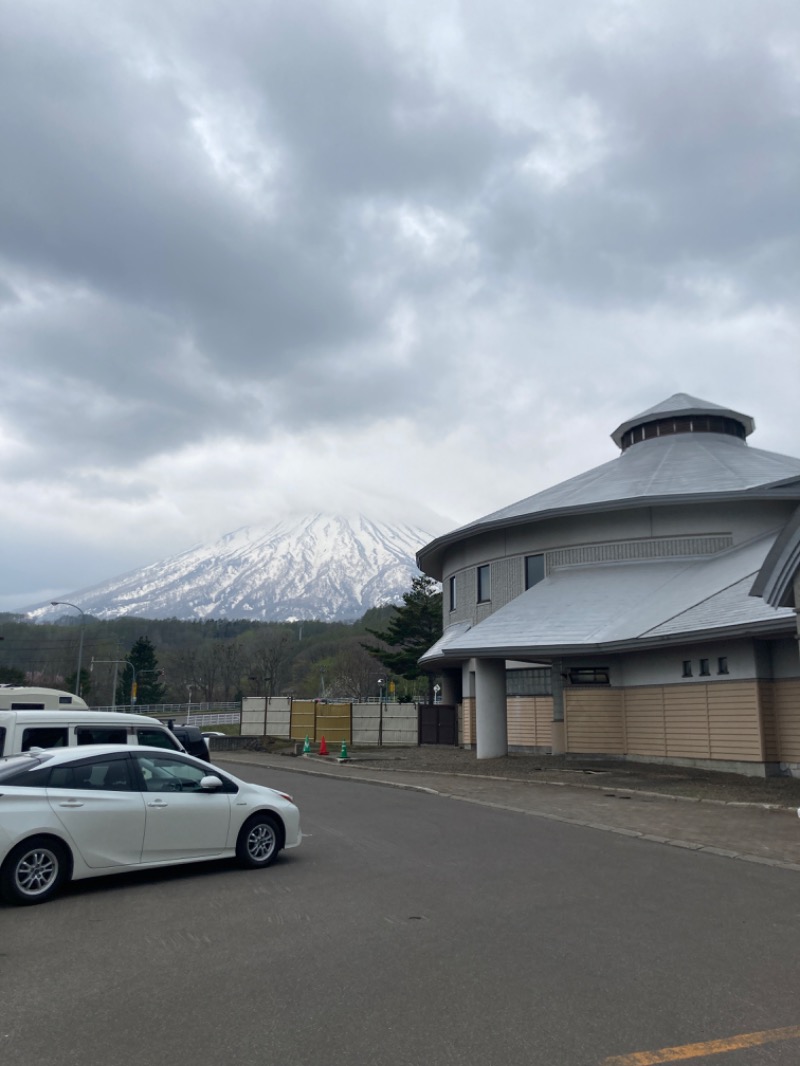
407	928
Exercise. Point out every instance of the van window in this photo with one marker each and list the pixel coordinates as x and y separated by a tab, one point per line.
2	739
44	737
156	738
65	699
27	706
94	735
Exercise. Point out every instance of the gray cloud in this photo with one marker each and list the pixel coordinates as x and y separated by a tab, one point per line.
226	235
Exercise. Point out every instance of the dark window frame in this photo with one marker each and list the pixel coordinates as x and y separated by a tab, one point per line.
530	681
539	575
30	741
687	668
452	592
589	675
484	583
722	664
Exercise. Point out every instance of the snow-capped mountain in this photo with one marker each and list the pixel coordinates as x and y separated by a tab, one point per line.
326	567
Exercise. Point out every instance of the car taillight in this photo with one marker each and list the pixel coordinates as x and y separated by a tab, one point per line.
286	796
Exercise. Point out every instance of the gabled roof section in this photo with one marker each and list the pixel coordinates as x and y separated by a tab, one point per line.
775	581
583	609
450	635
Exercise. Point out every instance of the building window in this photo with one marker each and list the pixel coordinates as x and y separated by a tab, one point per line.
534	681
452	593
705	669
534	570
589	675
687	668
484	583
722	664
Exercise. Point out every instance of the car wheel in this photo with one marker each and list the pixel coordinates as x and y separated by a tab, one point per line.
259	841
33	871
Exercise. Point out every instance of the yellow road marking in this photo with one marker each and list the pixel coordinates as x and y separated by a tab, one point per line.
709	1047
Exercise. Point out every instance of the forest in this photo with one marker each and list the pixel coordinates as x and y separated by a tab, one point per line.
221	660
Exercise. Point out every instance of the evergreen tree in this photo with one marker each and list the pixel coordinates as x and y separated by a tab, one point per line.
10	675
412	629
142	657
86	683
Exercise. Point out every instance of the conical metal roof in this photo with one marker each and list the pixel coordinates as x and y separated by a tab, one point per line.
676	467
682	406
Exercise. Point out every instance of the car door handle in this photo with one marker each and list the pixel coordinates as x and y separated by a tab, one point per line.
157	803
71	803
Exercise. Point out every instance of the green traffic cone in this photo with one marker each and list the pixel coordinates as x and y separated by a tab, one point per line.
344	751
306	746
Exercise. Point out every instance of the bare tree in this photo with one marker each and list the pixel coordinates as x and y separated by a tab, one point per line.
230	663
268	659
354	672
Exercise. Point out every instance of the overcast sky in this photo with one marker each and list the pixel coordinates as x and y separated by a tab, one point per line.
263	259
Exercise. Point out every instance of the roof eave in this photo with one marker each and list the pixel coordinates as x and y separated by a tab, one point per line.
783	626
430	558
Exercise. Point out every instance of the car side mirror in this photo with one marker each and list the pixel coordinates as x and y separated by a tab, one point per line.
210	782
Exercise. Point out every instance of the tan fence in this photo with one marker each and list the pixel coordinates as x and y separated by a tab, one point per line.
317	720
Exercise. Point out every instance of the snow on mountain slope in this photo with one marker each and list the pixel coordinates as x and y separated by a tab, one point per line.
325	566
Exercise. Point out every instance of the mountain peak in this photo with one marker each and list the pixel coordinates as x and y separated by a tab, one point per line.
323	566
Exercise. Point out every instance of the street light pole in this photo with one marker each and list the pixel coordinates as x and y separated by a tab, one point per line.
65	603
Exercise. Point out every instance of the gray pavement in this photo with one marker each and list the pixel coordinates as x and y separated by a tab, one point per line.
623	802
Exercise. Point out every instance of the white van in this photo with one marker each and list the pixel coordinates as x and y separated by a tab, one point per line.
23	729
28	698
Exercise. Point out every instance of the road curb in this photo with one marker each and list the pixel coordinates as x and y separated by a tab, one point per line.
554	784
707	849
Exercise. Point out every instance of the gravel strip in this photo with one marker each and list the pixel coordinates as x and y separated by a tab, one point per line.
679	782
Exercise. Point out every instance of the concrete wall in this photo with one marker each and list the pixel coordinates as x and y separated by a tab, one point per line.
254	716
262	717
664	666
785	658
505	550
279	714
396	723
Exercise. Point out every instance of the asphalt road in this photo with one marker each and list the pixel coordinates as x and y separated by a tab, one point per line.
411	929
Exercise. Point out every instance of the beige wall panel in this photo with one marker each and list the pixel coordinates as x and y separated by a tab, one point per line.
733	721
543	706
468	720
786	701
644	722
530	720
686	722
521	717
594	721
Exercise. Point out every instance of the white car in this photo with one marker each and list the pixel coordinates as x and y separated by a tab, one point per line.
71	813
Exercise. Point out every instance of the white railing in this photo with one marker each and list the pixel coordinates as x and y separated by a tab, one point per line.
211	719
174	710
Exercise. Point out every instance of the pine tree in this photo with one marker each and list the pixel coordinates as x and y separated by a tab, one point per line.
142	657
412	629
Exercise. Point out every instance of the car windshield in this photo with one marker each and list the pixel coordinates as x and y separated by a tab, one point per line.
11	765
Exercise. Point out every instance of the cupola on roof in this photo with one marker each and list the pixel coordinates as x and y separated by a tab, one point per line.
682	413
683	449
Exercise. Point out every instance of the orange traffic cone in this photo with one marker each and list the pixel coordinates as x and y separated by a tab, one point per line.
323	747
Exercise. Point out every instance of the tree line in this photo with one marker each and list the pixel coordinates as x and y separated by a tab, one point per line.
222	660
